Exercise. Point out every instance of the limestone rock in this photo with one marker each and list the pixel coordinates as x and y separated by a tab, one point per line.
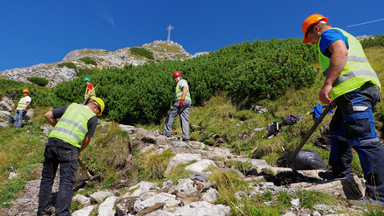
200	166
202	208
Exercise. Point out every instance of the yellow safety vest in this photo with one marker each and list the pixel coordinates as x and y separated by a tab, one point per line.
93	93
179	92
22	103
72	127
356	72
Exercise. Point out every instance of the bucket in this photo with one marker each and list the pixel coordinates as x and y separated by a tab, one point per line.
11	119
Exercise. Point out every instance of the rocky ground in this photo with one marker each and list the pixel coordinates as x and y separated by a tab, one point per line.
195	195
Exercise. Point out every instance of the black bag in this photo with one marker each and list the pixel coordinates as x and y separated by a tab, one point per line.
11	119
305	160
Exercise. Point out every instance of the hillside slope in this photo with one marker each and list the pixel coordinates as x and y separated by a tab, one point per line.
98	59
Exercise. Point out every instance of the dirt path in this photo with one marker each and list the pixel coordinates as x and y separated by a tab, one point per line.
26	203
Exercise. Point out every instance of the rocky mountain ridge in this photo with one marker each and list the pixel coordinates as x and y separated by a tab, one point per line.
58	72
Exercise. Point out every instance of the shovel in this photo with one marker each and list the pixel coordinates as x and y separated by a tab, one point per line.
81	183
306	137
89	176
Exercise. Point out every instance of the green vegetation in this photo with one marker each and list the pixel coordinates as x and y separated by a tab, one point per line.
88	60
231	187
38	81
68	65
377	41
221	116
142	52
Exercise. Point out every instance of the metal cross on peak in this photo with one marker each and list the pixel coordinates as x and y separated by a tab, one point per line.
169	28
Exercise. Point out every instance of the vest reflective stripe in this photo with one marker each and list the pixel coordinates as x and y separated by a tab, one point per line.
75	124
93	94
356	72
353	74
22	103
179	92
357	59
68	132
72	127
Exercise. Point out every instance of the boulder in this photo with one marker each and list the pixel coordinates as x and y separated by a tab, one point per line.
200	166
181	159
106	208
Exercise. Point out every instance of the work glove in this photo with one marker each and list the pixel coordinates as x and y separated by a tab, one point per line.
181	102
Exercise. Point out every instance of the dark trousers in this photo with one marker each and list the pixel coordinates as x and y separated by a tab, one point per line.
353	126
58	152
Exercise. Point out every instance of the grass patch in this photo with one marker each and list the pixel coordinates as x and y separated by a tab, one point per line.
142	52
68	65
88	60
152	166
179	172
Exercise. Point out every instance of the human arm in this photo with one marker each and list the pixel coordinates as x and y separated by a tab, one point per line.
50	118
86	141
183	95
54	114
25	108
338	61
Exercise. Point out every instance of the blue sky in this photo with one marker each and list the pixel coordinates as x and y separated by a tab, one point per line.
44	31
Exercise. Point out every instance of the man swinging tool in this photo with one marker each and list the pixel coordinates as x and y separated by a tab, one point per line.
70	135
352	85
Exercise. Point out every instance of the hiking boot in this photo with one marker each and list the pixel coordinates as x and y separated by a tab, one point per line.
165	134
329	175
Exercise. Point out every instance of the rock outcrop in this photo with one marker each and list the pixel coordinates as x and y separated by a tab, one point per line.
56	73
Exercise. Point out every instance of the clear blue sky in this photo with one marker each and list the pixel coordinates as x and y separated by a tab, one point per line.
44	31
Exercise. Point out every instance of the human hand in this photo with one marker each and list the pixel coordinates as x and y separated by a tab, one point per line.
181	102
324	94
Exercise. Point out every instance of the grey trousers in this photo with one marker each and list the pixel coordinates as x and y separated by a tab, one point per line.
183	113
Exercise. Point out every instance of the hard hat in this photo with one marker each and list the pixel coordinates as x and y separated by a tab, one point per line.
86	79
313	19
100	102
176	74
25	91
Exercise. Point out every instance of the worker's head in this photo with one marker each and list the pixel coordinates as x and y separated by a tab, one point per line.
177	76
87	80
97	105
25	91
312	28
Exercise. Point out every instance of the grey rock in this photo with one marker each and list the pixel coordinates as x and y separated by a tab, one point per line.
199	177
200	166
84	211
181	159
106	208
202	208
86	201
99	196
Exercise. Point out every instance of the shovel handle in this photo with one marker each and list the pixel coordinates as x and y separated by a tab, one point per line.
85	169
309	133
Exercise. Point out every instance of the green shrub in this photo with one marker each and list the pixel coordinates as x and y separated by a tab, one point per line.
376	41
248	71
38	81
88	60
142	52
68	65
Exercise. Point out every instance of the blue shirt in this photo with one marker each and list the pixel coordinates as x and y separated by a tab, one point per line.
328	37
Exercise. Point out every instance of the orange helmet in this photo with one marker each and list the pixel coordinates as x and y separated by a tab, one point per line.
176	74
25	91
313	19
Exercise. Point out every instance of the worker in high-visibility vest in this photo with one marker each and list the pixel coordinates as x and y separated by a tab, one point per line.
21	109
181	107
70	135
90	90
352	85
